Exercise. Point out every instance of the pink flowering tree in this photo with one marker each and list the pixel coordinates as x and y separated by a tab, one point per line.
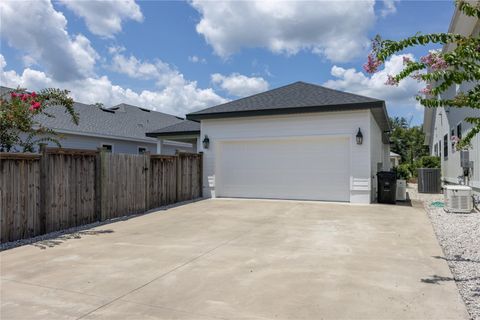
438	70
19	111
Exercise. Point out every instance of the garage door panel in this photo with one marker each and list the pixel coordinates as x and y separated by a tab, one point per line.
314	168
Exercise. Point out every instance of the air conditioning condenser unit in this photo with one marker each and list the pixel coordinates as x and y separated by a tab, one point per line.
458	199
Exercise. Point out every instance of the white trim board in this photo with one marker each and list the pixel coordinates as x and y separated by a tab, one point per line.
86	134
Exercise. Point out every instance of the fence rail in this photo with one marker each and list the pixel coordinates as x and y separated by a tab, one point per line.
62	188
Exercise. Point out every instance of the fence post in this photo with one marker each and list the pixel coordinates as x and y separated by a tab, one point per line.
200	173
178	178
99	184
146	169
43	187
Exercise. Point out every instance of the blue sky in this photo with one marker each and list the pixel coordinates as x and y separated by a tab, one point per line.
179	57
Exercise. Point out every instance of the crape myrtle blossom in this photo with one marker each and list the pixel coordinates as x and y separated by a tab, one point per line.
427	90
434	61
25	97
372	64
391	81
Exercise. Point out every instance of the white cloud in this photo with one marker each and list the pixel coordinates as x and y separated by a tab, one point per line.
68	61
104	18
38	30
134	68
196	59
240	85
354	81
116	49
334	29
389	7
162	73
175	97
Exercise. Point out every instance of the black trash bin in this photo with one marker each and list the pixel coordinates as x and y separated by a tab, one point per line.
387	187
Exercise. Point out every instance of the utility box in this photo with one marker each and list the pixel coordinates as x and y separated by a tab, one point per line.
465	159
401	190
387	187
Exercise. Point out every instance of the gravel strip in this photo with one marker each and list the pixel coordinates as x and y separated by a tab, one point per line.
55	238
459	237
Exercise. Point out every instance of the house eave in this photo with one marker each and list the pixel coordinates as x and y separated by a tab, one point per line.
106	136
176	134
280	111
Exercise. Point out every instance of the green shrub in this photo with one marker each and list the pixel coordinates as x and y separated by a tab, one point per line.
429	162
403	171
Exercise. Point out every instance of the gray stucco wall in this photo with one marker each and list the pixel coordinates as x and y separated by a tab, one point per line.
170	150
92	143
119	146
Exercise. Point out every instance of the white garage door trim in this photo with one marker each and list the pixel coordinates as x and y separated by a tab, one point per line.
312	184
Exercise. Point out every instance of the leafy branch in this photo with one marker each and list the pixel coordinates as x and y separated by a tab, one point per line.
19	111
438	70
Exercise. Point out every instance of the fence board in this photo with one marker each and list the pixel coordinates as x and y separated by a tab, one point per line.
19	194
162	181
69	189
124	184
63	188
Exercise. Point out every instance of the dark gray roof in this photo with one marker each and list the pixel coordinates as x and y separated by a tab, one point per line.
295	95
121	121
184	127
298	97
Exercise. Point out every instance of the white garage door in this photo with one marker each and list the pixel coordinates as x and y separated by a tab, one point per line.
312	168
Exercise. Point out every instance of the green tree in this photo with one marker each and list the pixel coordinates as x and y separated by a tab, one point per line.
438	70
407	140
18	111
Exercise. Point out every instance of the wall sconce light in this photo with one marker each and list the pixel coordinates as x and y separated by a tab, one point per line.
359	136
206	142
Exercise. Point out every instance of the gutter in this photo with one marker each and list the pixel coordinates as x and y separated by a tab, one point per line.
280	111
86	134
172	133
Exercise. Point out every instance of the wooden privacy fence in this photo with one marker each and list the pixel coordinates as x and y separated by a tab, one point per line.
62	188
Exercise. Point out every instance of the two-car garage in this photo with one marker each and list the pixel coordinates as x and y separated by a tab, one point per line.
294	142
307	168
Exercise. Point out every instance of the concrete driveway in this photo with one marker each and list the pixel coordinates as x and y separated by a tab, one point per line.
238	259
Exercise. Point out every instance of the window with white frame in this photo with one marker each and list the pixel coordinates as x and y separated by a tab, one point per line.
142	150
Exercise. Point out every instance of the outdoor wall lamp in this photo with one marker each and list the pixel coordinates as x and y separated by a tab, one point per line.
206	142
359	136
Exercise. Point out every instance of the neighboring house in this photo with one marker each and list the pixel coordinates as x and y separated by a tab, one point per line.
394	159
119	129
187	132
441	124
295	142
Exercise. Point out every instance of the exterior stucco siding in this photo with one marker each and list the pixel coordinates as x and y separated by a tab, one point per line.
328	123
445	122
92	143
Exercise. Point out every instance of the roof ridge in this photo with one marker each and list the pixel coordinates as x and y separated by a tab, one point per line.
340	91
251	96
137	107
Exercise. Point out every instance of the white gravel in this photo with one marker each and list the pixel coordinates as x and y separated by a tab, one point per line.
459	237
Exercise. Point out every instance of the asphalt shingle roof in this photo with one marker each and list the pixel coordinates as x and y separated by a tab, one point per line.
122	120
184	127
293	96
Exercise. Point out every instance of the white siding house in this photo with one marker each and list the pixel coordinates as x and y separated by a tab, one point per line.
440	124
296	155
